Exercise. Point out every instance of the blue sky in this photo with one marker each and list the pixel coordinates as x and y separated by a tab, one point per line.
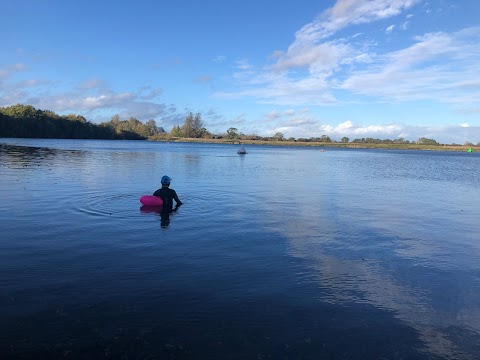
371	68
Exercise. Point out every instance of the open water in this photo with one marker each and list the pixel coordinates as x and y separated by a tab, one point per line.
283	253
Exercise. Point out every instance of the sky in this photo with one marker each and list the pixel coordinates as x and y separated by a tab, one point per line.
385	69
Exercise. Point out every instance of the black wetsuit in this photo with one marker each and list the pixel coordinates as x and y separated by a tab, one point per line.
167	195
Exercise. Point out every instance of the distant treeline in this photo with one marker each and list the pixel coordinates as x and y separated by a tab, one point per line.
233	134
24	121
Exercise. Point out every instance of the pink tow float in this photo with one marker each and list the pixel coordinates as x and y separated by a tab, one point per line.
151	200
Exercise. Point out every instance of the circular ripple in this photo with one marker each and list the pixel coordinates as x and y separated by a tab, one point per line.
102	205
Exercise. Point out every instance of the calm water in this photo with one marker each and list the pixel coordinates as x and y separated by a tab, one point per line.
283	253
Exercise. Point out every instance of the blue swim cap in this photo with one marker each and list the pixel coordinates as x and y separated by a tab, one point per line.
165	180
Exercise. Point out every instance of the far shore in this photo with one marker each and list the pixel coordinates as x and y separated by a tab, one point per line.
408	146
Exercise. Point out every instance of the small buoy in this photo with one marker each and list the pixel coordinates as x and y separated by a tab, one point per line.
242	150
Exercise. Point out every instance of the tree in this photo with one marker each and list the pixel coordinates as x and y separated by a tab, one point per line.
426	141
203	133
325	138
192	127
115	120
232	133
176	131
278	136
27	122
370	140
187	127
152	127
74	117
21	111
198	123
345	139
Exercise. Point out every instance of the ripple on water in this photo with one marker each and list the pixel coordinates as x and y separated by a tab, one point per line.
103	205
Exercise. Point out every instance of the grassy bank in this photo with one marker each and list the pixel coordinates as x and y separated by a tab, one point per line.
328	144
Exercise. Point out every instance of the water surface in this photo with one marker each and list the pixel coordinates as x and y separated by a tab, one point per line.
285	252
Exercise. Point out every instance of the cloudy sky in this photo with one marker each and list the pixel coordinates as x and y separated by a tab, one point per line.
356	68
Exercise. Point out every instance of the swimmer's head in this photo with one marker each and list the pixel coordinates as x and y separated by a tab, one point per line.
165	180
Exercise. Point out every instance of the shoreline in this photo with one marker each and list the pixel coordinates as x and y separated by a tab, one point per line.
441	147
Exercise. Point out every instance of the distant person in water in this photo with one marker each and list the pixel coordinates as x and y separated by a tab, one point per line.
167	195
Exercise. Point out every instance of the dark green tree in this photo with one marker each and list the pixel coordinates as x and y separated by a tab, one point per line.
232	133
26	121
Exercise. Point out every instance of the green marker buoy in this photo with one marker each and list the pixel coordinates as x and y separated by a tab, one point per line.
469	150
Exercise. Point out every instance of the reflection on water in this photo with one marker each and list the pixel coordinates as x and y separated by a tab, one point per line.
160	211
396	252
281	253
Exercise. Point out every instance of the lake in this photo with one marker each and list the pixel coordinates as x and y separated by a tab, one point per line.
282	253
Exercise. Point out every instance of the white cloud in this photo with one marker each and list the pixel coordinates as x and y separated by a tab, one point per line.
147	92
143	111
316	57
75	101
438	66
273	115
389	29
10	69
306	126
312	70
219	124
90	98
445	134
301	124
348	12
243	64
345	126
310	90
